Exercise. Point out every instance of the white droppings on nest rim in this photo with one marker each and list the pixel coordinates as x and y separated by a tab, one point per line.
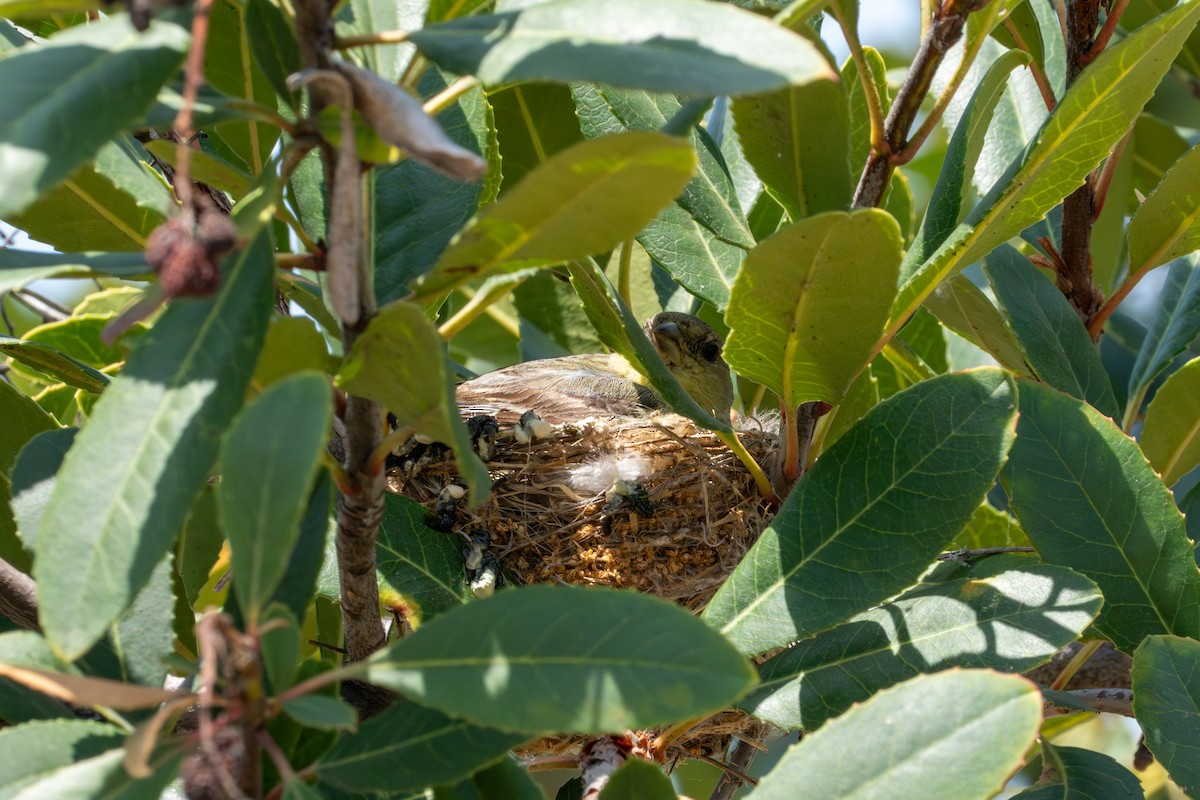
599	474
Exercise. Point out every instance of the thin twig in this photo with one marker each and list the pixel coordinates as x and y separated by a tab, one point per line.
1106	32
734	771
18	596
1078	660
379	37
866	78
1039	74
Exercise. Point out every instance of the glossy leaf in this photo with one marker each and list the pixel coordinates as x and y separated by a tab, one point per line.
898	482
638	780
74	76
685	46
183	383
859	133
1156	145
50	362
19	267
1089	120
29	751
420	569
991	528
507	779
700	239
408	747
584	200
268	463
400	362
1167	224
418	210
272	42
542	659
797	141
1173	327
810	303
954	184
1089	501
963	308
104	776
1049	330
1009	616
1171	434
1080	774
533	122
230	67
1166	702
321	712
1140	11
957	735
111	203
24	420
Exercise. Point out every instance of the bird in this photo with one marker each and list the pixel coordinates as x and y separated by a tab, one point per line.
571	388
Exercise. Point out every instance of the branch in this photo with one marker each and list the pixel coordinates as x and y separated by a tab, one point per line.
18	596
1111	701
944	32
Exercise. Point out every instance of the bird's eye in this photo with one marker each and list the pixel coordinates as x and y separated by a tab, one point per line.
710	351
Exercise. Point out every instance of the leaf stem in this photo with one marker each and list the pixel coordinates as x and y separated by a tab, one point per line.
865	77
1081	656
1039	74
765	490
448	96
368	39
623	269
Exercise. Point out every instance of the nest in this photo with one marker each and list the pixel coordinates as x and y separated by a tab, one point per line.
687	514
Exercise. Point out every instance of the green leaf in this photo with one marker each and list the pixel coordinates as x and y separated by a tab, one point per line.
896	483
685	46
957	735
1156	145
859	133
1089	501
797	140
1171	434
585	200
268	465
111	203
1173	328
229	67
17	703
71	80
991	528
958	168
1167	224
418	209
533	122
409	747
29	751
638	780
1080	774
358	17
963	308
1049	330
419	568
1090	119
1024	34
49	361
19	267
293	344
400	362
797	287
279	648
1140	11
33	478
506	779
299	583
24	420
183	384
1166	702
548	659
1006	615
79	337
321	712
138	644
701	238
273	43
104	776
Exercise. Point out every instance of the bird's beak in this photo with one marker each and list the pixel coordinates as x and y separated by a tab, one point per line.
667	340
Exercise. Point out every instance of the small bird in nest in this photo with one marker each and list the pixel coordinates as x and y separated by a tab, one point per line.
574	387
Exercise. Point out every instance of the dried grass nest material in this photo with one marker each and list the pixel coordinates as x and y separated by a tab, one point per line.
550	521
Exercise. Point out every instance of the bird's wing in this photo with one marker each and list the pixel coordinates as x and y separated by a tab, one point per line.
557	389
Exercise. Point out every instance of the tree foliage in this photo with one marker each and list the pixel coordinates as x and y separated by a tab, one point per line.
298	221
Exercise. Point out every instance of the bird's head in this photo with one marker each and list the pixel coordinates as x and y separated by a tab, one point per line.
692	351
